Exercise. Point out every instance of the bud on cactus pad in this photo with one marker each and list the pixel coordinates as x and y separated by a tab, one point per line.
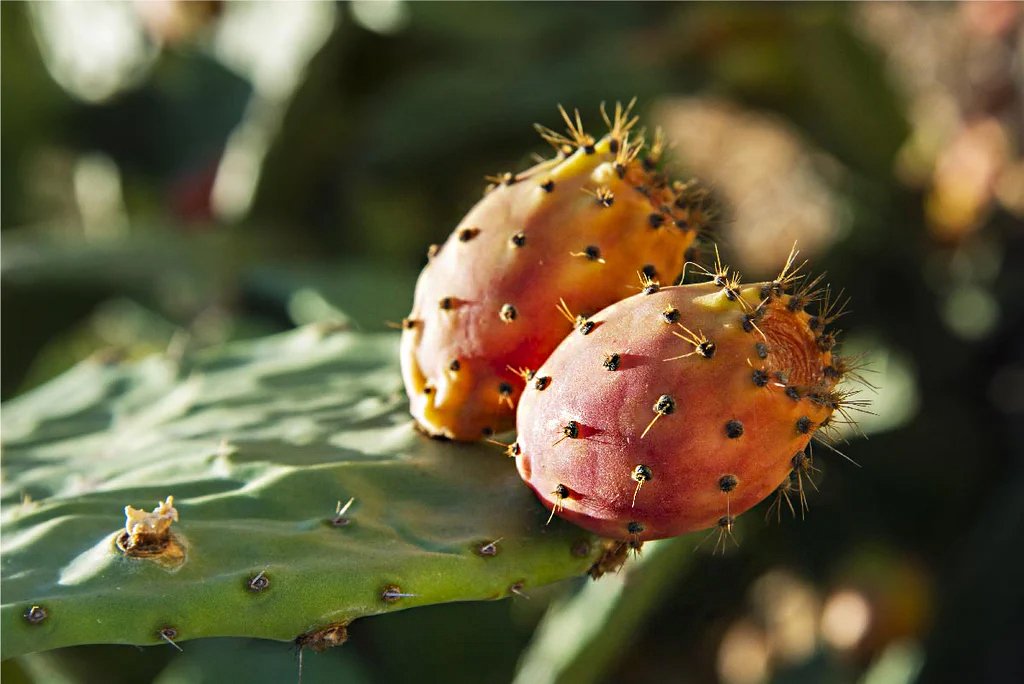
544	249
715	392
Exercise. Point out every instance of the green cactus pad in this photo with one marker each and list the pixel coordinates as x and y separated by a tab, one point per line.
258	442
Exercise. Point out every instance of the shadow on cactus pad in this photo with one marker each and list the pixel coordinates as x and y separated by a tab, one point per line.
304	499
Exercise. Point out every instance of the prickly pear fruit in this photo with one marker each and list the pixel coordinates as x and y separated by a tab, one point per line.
684	407
544	248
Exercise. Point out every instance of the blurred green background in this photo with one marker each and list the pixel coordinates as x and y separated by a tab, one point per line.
179	174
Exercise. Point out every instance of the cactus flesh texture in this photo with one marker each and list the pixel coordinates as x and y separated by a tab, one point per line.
302	499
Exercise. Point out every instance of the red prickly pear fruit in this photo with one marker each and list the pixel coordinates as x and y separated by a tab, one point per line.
539	252
685	407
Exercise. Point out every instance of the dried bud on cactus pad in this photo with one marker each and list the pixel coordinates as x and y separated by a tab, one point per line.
524	268
717	390
148	530
149	535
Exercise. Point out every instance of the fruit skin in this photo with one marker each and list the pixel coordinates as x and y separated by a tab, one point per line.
735	429
486	307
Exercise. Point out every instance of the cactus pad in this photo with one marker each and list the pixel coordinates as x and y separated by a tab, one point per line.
263	445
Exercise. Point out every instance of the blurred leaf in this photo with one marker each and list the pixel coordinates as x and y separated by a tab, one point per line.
583	635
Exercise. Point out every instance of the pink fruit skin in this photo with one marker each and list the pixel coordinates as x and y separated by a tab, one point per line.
688	452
